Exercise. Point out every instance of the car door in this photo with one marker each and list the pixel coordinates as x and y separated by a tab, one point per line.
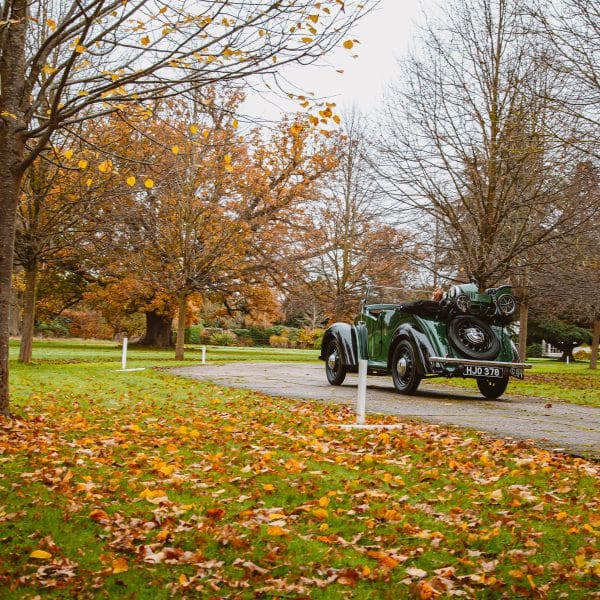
375	321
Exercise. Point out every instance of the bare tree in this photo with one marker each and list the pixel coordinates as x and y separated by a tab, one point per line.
468	142
349	242
62	61
571	29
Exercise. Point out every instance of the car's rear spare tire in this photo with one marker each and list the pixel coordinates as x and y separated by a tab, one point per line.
473	338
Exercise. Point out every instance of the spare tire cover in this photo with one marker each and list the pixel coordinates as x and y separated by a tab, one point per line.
473	338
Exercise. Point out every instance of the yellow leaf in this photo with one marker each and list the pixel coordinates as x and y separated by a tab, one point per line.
83	93
320	513
194	128
145	40
561	516
319	432
105	166
324	501
268	487
69	154
131	181
48	69
313	18
82	164
205	133
89	182
306	40
275	530
51	24
149	183
336	119
119	565
348	44
79	49
234	123
42	554
175	150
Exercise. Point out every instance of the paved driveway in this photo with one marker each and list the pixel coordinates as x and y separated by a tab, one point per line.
550	424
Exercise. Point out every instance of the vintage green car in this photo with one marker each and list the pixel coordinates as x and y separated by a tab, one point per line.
463	335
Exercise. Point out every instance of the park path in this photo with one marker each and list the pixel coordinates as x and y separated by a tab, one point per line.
548	423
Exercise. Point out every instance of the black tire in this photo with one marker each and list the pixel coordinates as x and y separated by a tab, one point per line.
473	338
405	368
335	369
492	388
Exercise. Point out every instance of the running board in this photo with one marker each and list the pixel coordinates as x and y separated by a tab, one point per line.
479	363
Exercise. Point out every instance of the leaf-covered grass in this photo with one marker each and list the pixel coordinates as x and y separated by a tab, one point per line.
144	485
574	382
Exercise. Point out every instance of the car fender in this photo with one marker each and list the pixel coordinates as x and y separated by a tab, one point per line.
420	341
347	337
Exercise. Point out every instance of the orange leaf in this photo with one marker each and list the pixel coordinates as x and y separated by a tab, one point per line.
119	565
275	530
348	44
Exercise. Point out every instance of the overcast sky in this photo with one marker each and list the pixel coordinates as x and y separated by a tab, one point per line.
384	35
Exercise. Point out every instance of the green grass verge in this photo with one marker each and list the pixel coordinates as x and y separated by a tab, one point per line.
145	485
574	382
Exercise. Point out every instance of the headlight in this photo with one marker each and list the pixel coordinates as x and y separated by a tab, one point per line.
463	302
507	304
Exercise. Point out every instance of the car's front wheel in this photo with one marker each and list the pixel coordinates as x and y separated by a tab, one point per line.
492	388
405	373
335	369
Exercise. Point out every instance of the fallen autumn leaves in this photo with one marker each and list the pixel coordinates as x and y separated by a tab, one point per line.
177	488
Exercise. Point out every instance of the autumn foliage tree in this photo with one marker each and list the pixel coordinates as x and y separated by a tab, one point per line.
63	62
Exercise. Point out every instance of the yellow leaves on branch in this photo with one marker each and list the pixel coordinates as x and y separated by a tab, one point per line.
105	166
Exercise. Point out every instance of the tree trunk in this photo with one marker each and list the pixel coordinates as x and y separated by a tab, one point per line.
12	150
14	325
9	195
179	349
158	330
595	343
25	349
523	316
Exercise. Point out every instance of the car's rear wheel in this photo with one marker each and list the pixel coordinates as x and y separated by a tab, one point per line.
405	373
335	369
492	388
473	338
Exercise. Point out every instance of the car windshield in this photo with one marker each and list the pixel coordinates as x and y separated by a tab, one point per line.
390	295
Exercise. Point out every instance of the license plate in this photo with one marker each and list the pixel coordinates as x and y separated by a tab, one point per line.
517	372
479	371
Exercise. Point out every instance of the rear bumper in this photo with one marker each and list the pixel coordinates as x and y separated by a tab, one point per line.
478	363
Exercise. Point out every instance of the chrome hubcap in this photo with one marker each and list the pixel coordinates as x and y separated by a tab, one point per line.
474	336
402	366
332	361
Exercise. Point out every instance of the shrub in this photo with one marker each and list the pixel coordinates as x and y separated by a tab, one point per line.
57	327
582	354
224	338
279	341
534	351
310	338
87	324
193	334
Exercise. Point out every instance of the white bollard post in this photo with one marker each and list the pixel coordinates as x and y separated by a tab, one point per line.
124	355
203	355
362	392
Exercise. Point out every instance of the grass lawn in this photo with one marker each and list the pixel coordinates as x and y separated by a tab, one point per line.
574	382
145	485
